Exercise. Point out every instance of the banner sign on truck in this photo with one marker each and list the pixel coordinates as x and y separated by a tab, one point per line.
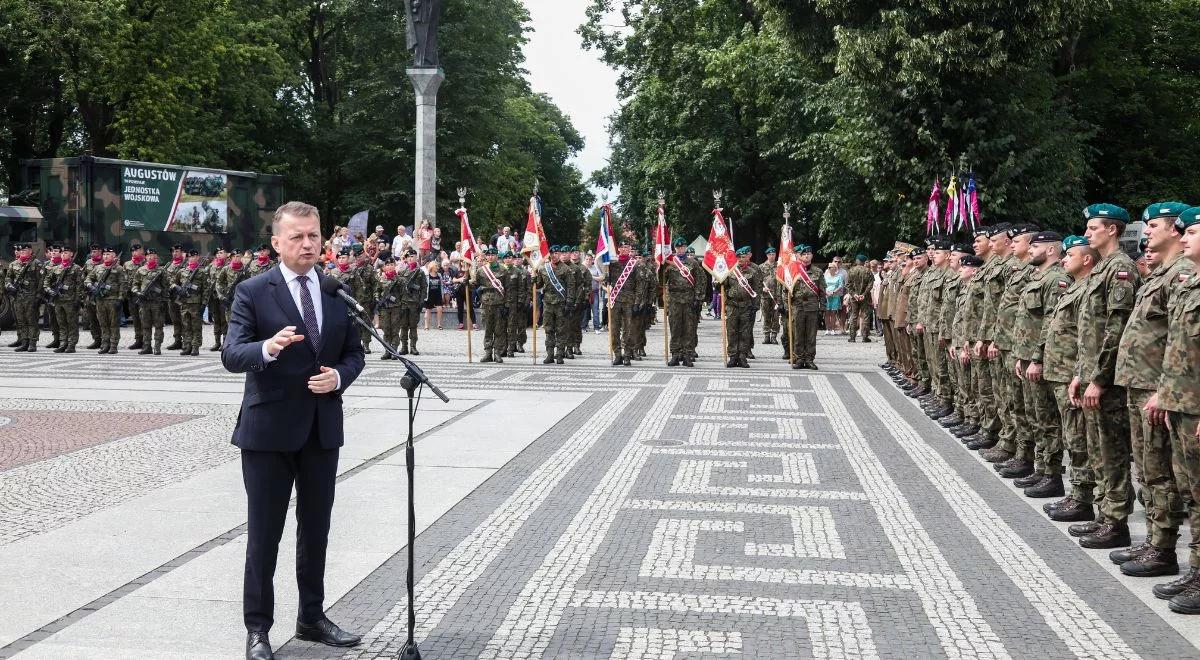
174	199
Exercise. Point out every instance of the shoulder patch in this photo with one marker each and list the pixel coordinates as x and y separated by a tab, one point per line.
1062	285
1122	275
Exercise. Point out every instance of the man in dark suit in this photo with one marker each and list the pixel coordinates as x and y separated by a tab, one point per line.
299	353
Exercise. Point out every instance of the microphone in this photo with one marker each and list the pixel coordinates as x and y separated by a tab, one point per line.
336	288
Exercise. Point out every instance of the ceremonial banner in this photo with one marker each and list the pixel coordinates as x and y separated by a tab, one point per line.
719	257
470	247
787	270
535	244
662	239
606	247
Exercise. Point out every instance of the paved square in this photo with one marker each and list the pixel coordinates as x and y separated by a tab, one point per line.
580	510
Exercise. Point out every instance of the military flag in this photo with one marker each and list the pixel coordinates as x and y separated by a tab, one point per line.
972	204
470	247
535	244
931	214
719	256
606	247
953	219
662	236
788	267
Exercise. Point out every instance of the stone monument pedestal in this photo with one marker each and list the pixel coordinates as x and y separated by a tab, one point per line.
425	83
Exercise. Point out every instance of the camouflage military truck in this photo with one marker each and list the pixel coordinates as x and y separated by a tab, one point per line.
86	200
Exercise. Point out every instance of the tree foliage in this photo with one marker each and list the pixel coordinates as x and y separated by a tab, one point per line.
312	89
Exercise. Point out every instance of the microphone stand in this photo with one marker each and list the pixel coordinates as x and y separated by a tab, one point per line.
413	378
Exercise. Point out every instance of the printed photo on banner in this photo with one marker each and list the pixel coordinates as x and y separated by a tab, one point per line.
174	199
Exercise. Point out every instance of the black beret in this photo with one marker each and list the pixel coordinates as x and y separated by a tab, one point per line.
965	248
1001	228
135	246
940	244
177	247
151	251
1022	229
1048	237
193	253
971	260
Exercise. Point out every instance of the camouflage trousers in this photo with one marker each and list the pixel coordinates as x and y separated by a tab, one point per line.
555	322
858	316
904	352
964	388
920	359
985	395
1045	425
52	320
108	312
67	314
516	324
153	315
939	367
1074	434
770	316
93	320
176	316
1152	454
389	324
25	309
621	329
1015	426
192	321
135	318
410	315
679	321
1185	442
889	340
1109	446
804	330
739	330
217	314
493	328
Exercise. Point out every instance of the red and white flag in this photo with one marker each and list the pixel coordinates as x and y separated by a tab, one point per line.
535	244
788	269
470	247
719	256
662	238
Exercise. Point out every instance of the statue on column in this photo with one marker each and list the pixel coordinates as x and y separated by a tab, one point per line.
422	21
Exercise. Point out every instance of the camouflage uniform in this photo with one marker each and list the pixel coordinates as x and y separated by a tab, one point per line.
192	289
135	309
995	274
859	282
89	305
517	296
556	301
583	289
105	286
932	289
1139	368
769	301
362	287
739	314
491	301
1034	309
213	274
943	339
806	313
683	297
151	288
1060	341
1107	303
1016	435
67	286
24	287
981	370
227	284
49	267
623	305
1179	394
647	282
174	312
960	314
387	305
911	290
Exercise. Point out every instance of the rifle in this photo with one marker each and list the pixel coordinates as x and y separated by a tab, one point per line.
181	291
14	286
52	294
227	300
102	287
387	296
152	285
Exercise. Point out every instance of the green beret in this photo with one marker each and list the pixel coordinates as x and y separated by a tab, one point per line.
860	257
504	254
771	251
1047	237
804	249
1163	210
1107	212
358	248
1188	218
490	250
1073	241
1142	245
745	249
679	242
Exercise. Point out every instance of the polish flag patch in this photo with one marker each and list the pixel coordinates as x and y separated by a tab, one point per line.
1122	275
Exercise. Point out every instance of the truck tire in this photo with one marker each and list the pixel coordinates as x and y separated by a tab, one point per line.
7	318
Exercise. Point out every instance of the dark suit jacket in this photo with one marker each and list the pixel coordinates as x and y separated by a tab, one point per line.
278	410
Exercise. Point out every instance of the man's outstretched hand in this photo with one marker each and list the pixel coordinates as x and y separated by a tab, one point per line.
282	339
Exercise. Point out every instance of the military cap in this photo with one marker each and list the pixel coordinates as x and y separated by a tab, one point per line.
107	248
996	230
691	250
358	248
1142	245
344	252
1021	229
860	257
679	242
261	247
1107	212
54	246
151	250
1073	241
67	247
1047	237
193	253
917	252
555	248
504	254
804	249
20	246
214	252
745	249
1188	218
490	250
177	247
982	231
135	246
971	261
94	246
771	250
939	244
1163	210
965	248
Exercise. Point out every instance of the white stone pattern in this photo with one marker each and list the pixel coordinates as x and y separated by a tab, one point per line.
441	588
695	477
530	622
836	629
640	643
717	404
1083	631
961	627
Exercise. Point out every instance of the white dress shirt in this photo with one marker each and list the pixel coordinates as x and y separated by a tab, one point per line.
290	279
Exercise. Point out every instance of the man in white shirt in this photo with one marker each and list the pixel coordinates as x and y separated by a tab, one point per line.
402	242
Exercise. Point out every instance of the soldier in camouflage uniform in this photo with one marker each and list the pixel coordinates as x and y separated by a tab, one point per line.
624	302
387	305
583	289
1139	367
556	303
214	274
150	288
230	277
362	287
1107	303
66	287
262	261
24	287
943	338
512	303
174	312
89	305
105	285
518	301
648	294
136	258
994	275
956	311
414	287
988	433
50	266
741	301
1177	404
769	298
684	286
488	278
938	403
1035	307
191	284
859	282
807	300
1013	455
910	293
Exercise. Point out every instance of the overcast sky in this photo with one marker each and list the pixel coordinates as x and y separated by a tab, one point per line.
583	87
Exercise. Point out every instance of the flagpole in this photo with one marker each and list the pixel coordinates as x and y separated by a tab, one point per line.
467	298
724	334
666	324
660	234
611	327
791	333
535	319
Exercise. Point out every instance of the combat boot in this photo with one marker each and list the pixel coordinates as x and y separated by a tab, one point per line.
673	362
70	348
559	359
1019	468
32	346
1108	534
1051	485
1187	602
186	351
626	361
413	350
1123	555
22	346
158	348
733	362
1080	512
61	349
175	345
743	363
54	344
520	349
853	339
498	359
1066	501
995	455
137	345
112	350
146	350
618	360
750	354
570	354
1169	590
941	412
549	359
1031	480
578	350
798	365
965	431
866	340
404	351
94	345
216	345
687	361
811	365
1152	563
18	343
951	420
487	355
387	356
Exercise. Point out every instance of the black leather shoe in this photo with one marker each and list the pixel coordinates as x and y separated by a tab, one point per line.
1169	590
325	632
1110	534
548	360
1074	512
1066	501
1152	563
1187	602
673	362
1123	555
1032	480
1051	485
1019	468
258	647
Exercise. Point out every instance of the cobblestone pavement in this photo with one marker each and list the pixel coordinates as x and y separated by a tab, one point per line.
661	513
